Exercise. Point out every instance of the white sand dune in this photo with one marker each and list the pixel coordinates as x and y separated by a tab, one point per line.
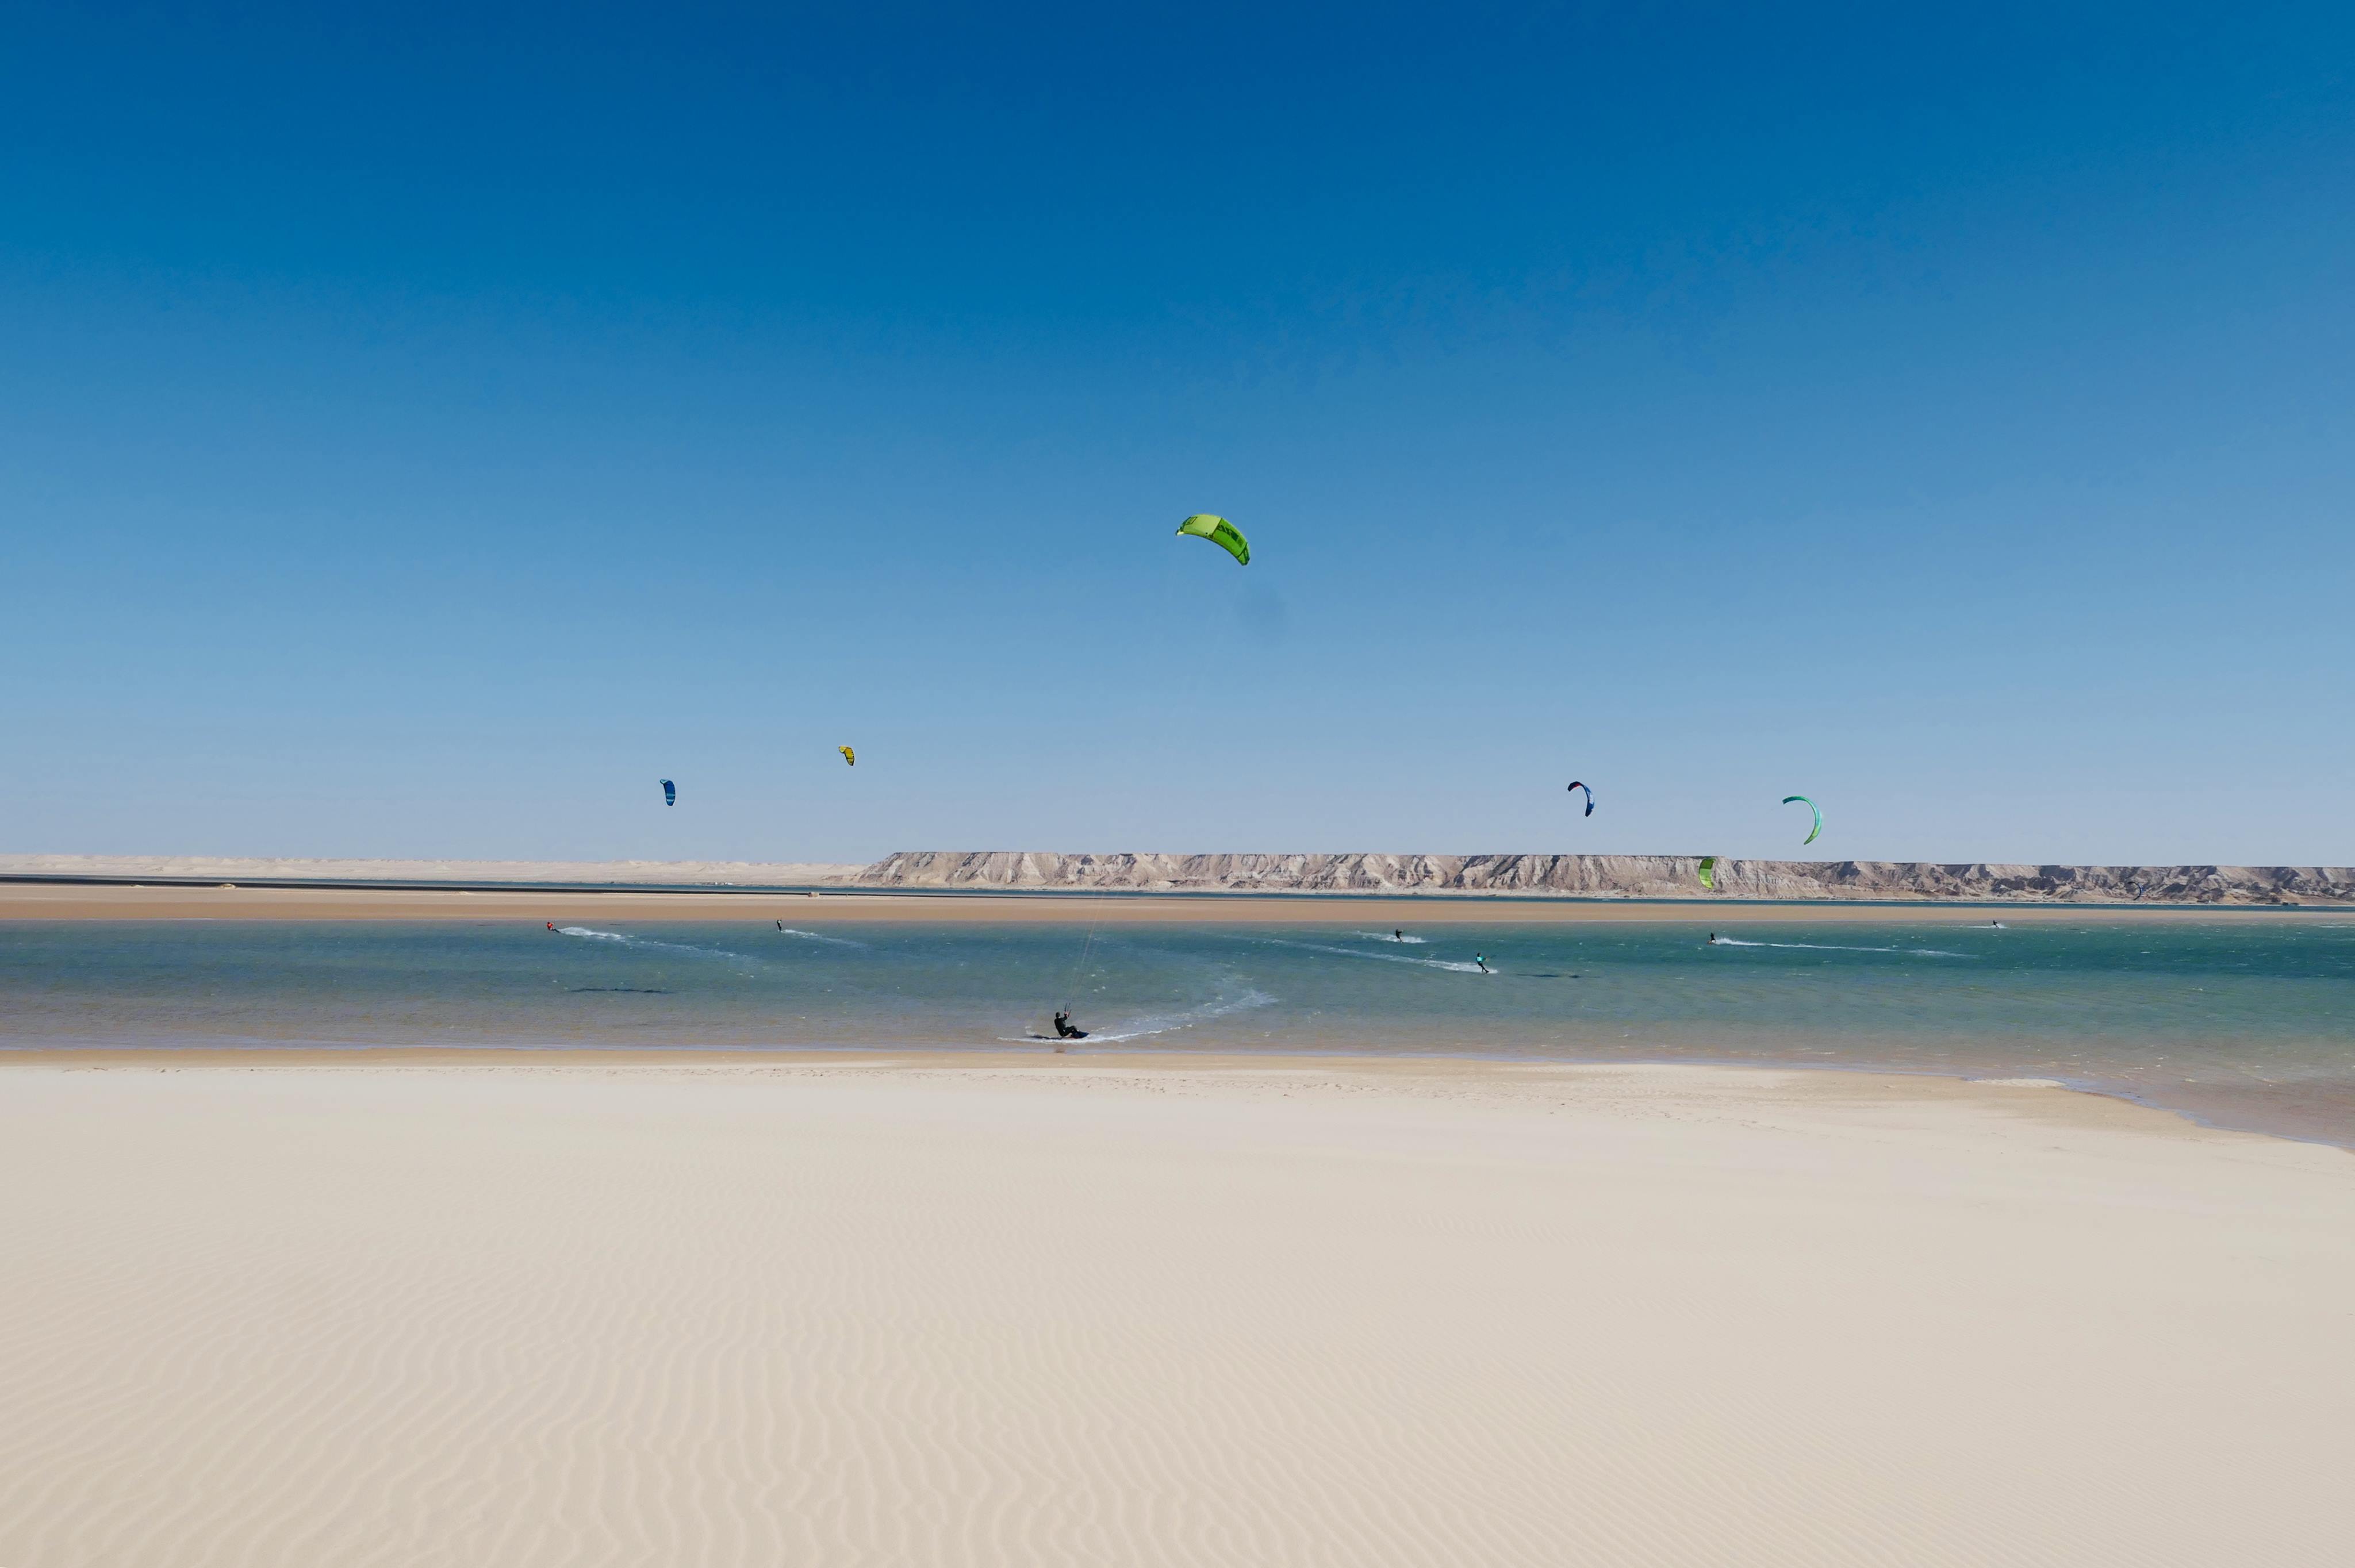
1099	1312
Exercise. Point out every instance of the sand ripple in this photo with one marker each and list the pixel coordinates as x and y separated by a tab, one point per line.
735	1317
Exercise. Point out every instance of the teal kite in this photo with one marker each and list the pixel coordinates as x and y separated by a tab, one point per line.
1810	805
1218	532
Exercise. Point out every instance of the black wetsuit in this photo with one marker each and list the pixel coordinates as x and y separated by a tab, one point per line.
1063	1030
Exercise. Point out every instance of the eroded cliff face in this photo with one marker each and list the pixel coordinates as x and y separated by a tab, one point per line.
1616	876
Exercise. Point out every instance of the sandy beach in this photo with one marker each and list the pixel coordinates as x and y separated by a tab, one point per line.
897	1310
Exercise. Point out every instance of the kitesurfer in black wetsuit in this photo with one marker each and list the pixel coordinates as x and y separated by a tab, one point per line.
1063	1030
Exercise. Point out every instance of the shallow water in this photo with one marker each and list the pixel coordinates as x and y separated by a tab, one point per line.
2247	1021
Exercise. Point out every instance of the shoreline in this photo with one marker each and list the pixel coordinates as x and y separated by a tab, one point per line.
1877	1081
71	900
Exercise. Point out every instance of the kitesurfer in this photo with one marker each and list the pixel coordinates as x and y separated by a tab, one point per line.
1063	1030
552	925
1482	961
1398	936
1712	938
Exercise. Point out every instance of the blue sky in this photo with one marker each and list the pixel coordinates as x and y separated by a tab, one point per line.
420	433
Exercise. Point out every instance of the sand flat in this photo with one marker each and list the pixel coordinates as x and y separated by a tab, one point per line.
102	901
1098	1311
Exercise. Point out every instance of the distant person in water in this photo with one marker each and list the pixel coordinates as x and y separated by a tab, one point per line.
1482	961
1712	938
1063	1030
1398	936
552	925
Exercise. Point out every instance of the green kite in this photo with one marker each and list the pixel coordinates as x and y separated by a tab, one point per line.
1810	805
1218	532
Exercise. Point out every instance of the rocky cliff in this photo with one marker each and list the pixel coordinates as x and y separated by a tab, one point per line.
1616	876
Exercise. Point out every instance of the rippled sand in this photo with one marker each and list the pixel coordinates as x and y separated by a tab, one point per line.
1096	1311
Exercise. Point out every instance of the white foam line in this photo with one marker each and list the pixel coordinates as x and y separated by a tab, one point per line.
649	943
1170	1024
1167	1023
1834	947
819	936
1382	958
1386	937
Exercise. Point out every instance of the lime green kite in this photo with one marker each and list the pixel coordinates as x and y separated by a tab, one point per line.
1218	532
1708	872
1810	805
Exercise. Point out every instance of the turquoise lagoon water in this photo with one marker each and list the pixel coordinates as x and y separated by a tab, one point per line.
2245	1019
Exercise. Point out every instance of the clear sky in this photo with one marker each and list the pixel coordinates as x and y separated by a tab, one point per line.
420	433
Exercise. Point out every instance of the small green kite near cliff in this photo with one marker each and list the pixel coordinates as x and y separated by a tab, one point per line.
1708	872
1218	532
1810	805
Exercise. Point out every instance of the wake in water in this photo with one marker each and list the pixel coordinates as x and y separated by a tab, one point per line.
1834	947
820	937
1171	1023
1388	937
650	945
1164	1022
1381	958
